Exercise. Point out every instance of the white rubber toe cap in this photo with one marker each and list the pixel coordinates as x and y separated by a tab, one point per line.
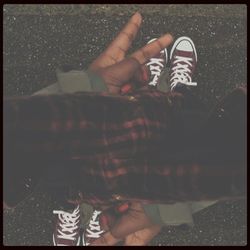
185	46
184	43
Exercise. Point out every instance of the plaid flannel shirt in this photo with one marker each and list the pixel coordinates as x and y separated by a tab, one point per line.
115	147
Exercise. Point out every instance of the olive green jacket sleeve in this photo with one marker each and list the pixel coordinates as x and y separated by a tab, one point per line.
74	81
177	213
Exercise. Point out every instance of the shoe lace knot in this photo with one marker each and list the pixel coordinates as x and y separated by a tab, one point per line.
155	67
68	223
181	72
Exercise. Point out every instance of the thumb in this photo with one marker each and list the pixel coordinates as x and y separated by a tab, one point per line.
134	220
120	73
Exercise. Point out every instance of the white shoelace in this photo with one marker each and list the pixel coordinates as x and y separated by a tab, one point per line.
155	67
181	72
68	224
94	230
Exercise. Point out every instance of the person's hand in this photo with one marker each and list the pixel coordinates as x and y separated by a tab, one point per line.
132	226
114	68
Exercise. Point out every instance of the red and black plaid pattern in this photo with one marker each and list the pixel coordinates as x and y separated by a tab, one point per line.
125	145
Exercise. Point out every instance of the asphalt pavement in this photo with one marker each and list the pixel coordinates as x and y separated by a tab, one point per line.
36	43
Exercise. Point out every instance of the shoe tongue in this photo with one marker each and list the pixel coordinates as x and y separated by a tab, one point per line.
187	54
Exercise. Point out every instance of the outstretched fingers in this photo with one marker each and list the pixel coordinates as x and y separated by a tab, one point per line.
118	74
116	51
152	49
122	42
142	237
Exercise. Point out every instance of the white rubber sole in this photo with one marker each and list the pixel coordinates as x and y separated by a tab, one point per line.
178	41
